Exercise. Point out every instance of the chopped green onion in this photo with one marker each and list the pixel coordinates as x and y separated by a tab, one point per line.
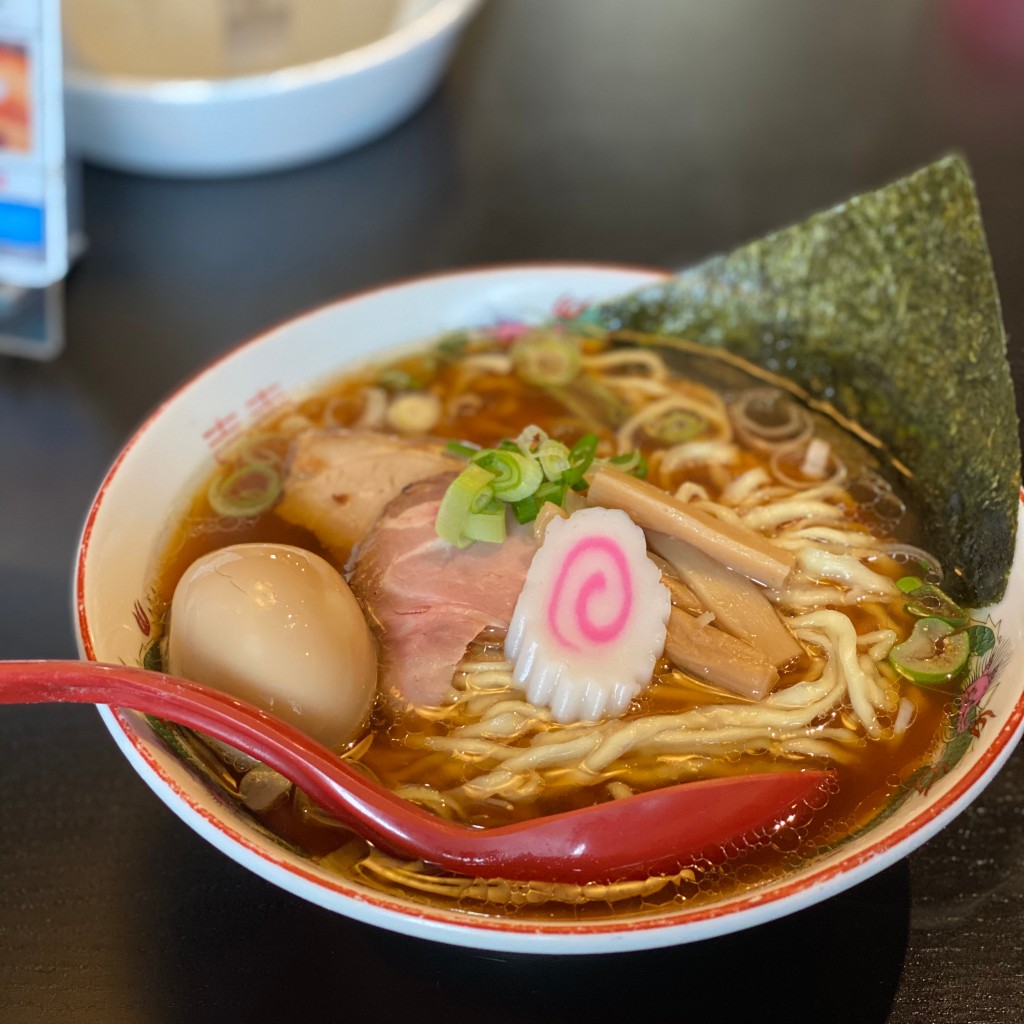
527	508
546	359
452	344
414	412
398	380
581	457
515	475
487	525
554	458
677	427
630	462
467	451
927	600
468	494
584	448
529	440
552	490
933	653
245	492
523	473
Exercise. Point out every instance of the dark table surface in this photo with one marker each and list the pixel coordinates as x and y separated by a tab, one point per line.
655	132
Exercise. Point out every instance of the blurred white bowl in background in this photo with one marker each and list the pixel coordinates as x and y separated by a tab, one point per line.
225	87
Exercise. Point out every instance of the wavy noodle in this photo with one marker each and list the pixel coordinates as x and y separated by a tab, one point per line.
765	518
688	490
637	390
852	541
745	486
486	362
697	453
635	358
417	876
514	752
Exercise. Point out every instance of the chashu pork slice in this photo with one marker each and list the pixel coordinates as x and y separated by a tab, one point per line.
339	481
429	600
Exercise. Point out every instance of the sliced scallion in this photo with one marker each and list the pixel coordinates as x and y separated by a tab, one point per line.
515	475
926	600
677	427
452	344
526	509
630	462
580	459
245	492
546	359
523	474
469	493
398	380
934	652
467	451
554	458
487	525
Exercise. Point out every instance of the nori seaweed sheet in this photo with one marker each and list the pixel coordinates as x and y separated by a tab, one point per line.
885	308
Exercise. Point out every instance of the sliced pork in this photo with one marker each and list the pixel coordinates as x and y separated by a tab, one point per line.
427	599
339	481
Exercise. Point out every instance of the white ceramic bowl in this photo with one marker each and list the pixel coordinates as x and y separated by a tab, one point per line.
126	529
260	122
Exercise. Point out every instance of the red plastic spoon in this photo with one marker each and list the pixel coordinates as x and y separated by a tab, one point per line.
634	837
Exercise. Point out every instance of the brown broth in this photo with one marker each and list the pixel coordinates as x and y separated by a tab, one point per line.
507	406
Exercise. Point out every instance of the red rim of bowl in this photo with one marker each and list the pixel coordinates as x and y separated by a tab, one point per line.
829	878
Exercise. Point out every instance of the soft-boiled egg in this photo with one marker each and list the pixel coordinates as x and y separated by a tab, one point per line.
277	626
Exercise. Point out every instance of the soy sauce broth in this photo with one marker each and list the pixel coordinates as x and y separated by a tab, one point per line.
500	408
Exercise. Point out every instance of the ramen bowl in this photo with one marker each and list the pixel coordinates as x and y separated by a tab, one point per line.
127	530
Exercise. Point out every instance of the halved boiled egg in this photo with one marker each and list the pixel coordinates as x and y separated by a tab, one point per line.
277	626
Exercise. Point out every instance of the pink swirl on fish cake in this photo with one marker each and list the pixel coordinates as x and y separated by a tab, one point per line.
593	585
